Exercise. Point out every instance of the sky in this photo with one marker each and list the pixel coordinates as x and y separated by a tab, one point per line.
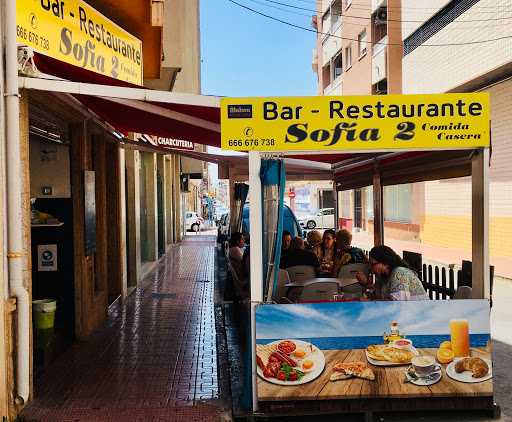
354	319
247	55
244	54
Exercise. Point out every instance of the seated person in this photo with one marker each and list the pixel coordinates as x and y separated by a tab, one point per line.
346	254
326	249
285	245
236	254
313	237
298	256
396	281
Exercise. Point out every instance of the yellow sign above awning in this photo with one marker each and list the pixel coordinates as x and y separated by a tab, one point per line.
356	122
75	33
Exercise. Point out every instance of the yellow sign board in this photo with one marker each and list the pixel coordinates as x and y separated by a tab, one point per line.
356	122
75	33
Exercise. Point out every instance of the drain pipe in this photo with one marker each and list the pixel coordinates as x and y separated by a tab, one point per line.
14	234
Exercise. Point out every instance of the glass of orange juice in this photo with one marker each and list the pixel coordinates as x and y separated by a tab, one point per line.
459	330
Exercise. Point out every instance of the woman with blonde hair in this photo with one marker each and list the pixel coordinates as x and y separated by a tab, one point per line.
346	254
313	237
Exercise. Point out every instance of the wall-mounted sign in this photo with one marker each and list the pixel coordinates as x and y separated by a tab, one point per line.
75	33
356	122
47	258
169	143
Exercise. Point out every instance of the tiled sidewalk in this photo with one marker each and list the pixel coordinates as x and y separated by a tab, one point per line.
155	358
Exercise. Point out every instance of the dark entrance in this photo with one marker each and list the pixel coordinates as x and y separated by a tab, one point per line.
160	211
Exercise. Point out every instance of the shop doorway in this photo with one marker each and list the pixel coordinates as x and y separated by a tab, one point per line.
143	210
160	212
113	206
52	243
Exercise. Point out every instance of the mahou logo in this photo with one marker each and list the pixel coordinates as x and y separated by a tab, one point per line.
240	111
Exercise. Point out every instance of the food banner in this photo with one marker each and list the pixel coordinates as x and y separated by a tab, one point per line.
378	122
359	350
75	33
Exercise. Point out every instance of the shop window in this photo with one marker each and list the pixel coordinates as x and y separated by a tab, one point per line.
345	204
368	202
361	40
397	203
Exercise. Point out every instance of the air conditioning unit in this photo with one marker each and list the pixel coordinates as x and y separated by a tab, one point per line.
185	183
381	17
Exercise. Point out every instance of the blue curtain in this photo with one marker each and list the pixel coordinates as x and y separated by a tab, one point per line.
273	181
240	195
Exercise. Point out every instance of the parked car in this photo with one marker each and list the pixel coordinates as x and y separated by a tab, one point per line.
194	221
219	212
323	218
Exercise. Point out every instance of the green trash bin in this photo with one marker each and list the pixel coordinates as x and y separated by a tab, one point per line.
43	313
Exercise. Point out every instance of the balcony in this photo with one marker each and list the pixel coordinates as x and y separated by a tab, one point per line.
379	46
314	63
379	65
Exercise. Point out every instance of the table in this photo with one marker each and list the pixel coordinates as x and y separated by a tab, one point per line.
356	394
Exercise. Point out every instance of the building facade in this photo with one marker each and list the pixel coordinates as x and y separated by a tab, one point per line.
98	207
413	49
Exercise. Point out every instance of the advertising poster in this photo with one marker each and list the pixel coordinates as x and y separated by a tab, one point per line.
359	350
302	201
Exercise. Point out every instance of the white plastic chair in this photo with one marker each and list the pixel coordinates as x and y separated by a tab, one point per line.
349	271
352	291
301	272
463	292
239	284
280	291
323	290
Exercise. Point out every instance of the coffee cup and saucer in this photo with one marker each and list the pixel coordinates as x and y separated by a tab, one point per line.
423	370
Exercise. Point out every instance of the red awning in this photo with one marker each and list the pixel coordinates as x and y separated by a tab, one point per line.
128	116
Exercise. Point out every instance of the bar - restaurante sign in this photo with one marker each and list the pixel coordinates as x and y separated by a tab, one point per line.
356	122
75	33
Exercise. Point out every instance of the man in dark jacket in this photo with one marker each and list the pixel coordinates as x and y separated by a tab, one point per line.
298	256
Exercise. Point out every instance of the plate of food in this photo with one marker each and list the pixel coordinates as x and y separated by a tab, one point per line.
346	370
289	362
383	355
470	370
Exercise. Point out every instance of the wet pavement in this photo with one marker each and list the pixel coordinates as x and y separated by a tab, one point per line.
155	358
174	352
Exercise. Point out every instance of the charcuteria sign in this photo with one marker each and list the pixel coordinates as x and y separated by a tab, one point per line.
437	121
75	33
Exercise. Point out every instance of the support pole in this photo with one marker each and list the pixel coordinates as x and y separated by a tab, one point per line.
14	216
480	225
256	257
378	211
